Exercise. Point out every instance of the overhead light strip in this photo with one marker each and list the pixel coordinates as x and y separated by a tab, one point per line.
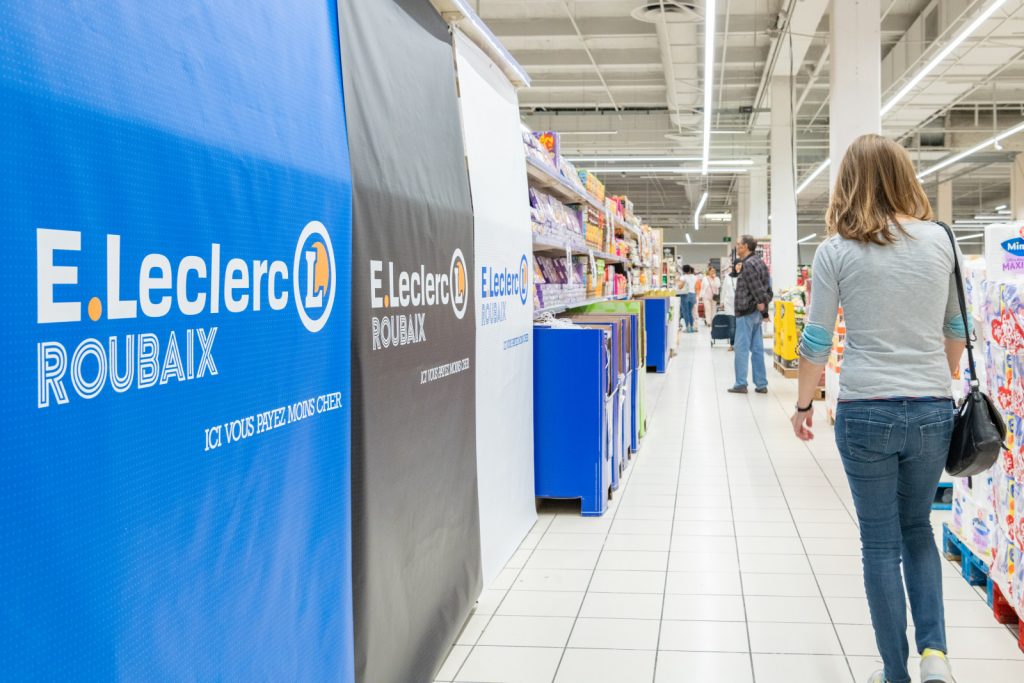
814	174
611	159
807	239
943	53
928	68
710	11
970	237
670	170
700	207
973	150
688	240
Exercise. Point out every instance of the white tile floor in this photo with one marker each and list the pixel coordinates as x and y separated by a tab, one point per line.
729	555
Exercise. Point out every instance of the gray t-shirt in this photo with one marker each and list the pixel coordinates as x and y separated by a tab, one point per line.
899	302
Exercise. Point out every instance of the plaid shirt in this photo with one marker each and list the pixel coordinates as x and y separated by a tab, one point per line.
753	286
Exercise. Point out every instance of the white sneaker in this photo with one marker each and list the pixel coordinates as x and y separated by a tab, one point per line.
877	677
935	667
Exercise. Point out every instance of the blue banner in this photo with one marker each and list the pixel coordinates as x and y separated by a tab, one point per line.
174	453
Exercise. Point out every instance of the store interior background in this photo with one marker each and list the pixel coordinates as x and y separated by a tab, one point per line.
622	78
414	141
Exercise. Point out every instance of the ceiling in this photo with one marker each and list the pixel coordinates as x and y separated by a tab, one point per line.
616	85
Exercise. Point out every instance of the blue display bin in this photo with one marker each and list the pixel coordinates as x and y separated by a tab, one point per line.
573	415
656	314
634	366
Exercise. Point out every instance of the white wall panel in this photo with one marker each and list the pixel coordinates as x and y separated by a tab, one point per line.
503	294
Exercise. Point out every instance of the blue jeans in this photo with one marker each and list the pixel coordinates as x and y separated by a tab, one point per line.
893	453
686	304
749	344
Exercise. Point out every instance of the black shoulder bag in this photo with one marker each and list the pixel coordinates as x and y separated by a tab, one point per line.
978	428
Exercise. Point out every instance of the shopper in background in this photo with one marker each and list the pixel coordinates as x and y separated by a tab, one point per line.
753	294
728	296
709	290
687	297
894	421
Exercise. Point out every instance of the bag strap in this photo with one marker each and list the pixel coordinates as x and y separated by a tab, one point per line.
963	304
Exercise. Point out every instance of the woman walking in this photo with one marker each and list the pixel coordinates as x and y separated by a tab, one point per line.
687	297
709	289
728	296
904	340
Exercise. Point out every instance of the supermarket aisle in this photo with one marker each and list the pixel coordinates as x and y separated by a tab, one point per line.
729	555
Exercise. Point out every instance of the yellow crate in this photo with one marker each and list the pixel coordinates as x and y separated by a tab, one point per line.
786	339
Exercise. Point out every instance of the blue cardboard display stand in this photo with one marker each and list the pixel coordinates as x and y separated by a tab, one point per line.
572	458
656	314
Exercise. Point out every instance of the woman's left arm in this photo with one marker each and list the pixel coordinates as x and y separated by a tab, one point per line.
816	340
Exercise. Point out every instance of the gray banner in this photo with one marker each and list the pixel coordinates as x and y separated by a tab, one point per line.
416	542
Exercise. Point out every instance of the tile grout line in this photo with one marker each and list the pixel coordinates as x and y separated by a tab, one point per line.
732	515
672	525
623	486
799	536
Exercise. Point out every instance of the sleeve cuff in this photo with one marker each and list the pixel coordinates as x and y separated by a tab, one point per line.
954	327
815	344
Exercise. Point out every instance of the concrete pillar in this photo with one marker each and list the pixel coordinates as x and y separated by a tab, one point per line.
856	75
944	210
741	214
783	200
1017	187
757	207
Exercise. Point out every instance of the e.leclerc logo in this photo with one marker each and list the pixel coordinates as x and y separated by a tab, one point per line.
499	286
196	286
393	288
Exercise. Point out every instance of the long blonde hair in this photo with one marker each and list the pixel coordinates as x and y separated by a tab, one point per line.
876	181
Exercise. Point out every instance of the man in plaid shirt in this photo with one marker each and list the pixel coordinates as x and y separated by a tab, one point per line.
753	294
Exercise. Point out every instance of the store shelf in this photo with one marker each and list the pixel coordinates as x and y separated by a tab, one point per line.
624	226
547	180
577	304
542	246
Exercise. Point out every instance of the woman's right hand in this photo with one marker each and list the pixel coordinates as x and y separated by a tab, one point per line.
802	423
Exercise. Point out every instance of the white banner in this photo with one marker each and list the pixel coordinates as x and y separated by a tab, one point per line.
503	287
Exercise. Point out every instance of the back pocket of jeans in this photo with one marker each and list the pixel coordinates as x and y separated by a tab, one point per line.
867	435
935	435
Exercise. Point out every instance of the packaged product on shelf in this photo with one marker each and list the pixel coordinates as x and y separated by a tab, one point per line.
592	184
1003	565
1004	250
552	142
553	221
1015	558
595	227
835	365
536	151
1002	315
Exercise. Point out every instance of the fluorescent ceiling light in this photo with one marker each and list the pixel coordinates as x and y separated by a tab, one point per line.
668	169
973	150
945	52
716	162
620	159
808	238
590	132
1002	207
700	207
814	174
970	237
492	40
709	75
988	217
718	217
688	240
